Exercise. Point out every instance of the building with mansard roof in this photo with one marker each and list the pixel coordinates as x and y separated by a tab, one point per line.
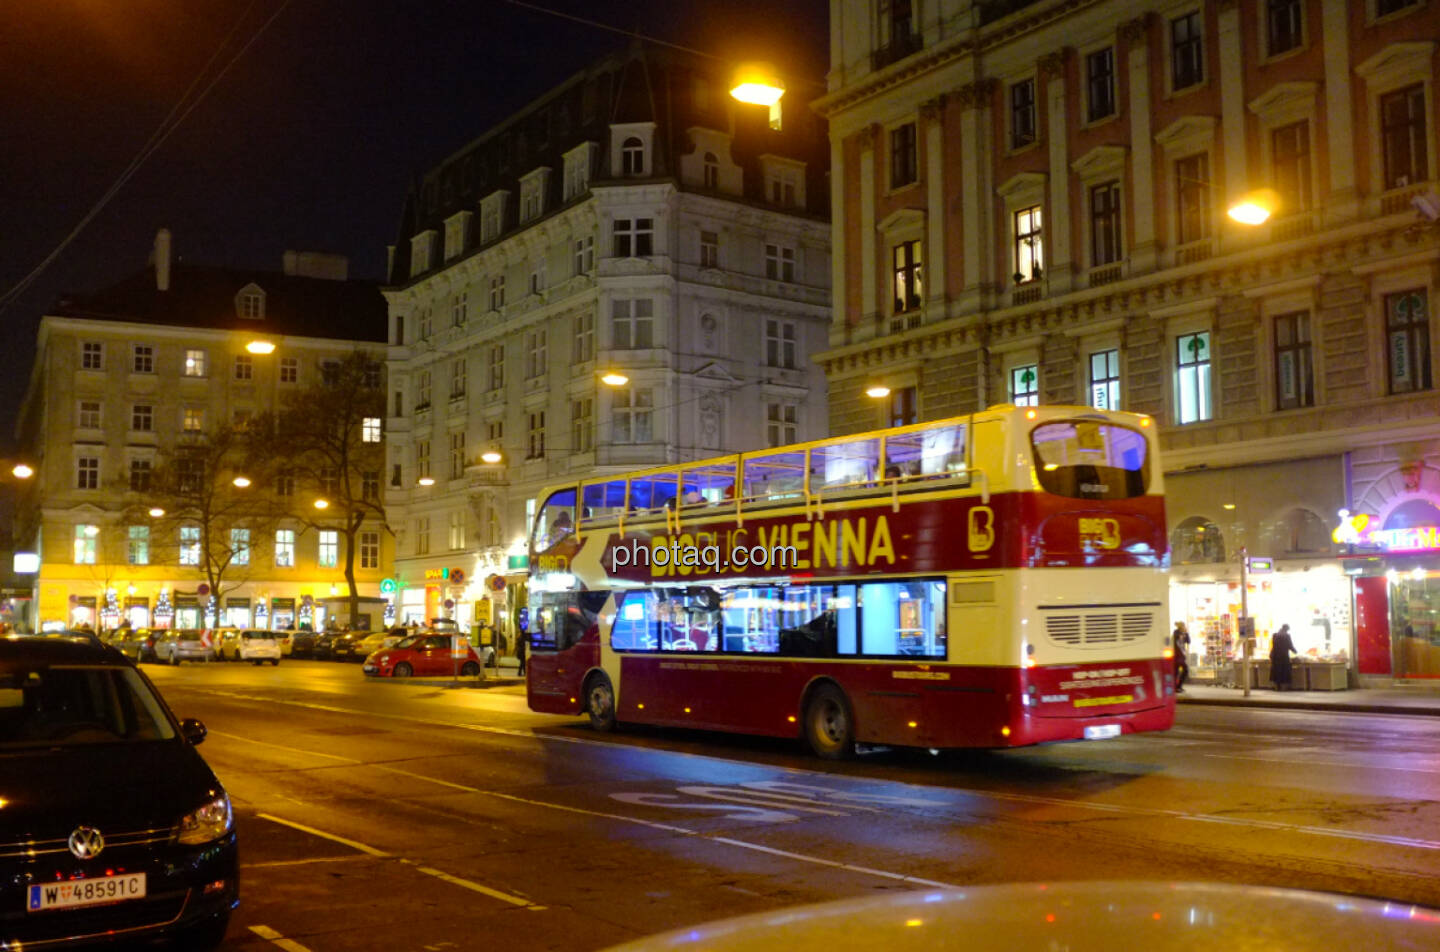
1031	207
633	219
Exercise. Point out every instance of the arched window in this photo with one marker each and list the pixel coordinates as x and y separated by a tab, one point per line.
1197	539
1298	532
632	157
712	170
1412	514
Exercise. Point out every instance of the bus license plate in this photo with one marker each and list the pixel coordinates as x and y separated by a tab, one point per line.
85	892
1102	731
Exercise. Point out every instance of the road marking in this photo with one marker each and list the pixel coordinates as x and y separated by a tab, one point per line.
354	845
269	934
298	862
964	791
476	887
1310	762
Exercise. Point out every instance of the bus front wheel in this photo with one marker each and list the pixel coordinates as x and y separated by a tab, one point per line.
600	703
829	725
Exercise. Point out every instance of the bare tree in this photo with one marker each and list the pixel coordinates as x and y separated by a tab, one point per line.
327	439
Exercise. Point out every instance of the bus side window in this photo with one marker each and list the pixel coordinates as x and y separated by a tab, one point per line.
634	626
903	618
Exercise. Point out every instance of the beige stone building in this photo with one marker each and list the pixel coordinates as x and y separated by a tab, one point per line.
1030	206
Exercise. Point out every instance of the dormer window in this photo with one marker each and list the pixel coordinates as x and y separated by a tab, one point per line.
532	194
250	303
712	171
422	246
784	181
632	157
632	149
457	227
492	215
577	170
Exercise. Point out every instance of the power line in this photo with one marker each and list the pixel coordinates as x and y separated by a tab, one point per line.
168	125
633	34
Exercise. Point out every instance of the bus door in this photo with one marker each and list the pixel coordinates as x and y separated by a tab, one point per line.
564	643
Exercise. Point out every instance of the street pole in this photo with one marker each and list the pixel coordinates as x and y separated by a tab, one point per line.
1245	630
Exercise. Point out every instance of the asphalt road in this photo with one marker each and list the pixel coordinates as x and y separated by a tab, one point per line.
400	816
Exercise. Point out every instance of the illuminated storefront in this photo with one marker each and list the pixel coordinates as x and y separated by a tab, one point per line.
1395	558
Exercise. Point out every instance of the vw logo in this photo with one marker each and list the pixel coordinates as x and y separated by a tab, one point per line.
86	842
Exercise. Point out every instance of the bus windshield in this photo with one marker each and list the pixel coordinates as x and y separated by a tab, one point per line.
1089	459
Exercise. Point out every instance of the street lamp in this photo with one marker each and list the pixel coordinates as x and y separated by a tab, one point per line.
22	471
156	512
261	347
322	504
426	480
491	456
614	378
877	391
759	84
1255	207
240	482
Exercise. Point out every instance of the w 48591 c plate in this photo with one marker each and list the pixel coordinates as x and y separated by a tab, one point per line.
85	892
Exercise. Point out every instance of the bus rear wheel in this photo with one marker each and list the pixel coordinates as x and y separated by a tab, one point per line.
600	703
829	725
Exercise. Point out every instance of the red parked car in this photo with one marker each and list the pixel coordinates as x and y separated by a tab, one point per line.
424	654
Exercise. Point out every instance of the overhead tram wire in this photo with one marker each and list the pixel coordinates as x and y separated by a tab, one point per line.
633	34
187	102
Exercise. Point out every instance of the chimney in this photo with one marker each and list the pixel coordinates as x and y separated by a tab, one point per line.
162	259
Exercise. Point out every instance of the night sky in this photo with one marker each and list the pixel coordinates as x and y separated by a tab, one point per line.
311	138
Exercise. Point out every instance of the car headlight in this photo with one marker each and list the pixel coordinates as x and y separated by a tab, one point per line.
212	821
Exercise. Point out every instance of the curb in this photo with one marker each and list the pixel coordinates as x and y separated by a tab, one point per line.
1313	706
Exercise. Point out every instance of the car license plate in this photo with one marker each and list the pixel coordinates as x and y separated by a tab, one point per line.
1102	731
85	892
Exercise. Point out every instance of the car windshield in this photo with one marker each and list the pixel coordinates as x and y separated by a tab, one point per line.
78	704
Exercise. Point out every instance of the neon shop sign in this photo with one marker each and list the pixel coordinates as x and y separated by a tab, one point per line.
1357	529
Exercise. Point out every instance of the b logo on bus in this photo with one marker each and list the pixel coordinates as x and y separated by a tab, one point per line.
982	529
1104	533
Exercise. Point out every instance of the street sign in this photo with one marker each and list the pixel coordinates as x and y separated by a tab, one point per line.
202	589
1247	628
482	612
1261	566
387	586
459	646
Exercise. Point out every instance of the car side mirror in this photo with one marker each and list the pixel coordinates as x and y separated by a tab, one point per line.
193	731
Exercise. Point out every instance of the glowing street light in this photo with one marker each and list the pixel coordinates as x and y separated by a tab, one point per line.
491	456
240	482
22	471
878	392
322	504
426	480
261	347
614	379
758	84
1255	208
156	512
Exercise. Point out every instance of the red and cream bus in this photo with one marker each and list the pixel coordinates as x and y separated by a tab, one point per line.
992	580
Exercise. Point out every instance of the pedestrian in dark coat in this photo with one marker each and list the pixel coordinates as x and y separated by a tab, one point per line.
1281	648
1180	641
522	644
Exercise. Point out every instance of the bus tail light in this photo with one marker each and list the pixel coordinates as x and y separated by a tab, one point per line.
1168	654
687	710
1005	732
914	724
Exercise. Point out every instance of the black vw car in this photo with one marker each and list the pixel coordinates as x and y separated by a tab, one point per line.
111	824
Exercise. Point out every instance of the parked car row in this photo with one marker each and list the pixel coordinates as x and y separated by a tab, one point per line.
174	645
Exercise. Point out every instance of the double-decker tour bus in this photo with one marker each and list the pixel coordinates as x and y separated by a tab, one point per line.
993	580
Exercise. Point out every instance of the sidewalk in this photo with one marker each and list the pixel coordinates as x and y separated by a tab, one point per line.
1402	698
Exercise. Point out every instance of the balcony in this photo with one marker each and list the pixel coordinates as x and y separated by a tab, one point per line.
1201	250
1106	274
896	50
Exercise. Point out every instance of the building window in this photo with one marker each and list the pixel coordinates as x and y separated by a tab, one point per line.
89	415
285	483
1029	245
1105	380
1284	21
1187	52
423	391
284	548
781	428
536	356
189	545
535	436
459	307
584	326
370	429
370	485
904	407
457	378
85	543
457	454
397	475
329	548
585	254
369	550
87	472
784	187
289	369
497	292
1192	198
903	163
577	172
779	263
370	375
140	470
1402	130
329	480
1100	83
1407	329
422	459
632	157
902	16
240	546
780	344
631	415
581	425
194	363
422	535
244	367
92	355
632	324
142	359
709	249
1192	379
497	367
1022	113
1025	385
1105	242
142	417
1294	376
712	171
908	279
137	550
330	373
190	474
634	237
1290	166
399	403
194	420
457	530
252	305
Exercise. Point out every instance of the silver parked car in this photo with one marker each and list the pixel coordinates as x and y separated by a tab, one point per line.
185	644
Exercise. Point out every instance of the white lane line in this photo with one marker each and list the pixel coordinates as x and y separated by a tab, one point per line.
483	890
964	791
899	877
268	864
369	850
1321	763
270	935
